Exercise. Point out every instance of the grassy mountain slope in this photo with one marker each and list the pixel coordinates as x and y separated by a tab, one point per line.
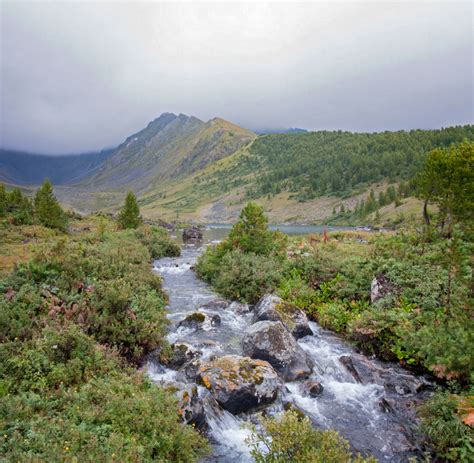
21	168
302	177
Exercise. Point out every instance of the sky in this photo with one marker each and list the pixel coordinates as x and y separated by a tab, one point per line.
81	76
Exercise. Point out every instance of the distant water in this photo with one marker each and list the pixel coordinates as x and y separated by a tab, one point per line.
218	231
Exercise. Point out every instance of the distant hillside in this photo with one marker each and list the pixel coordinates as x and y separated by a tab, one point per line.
21	168
302	176
290	130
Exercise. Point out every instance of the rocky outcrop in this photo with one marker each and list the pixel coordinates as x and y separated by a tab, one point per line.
273	308
198	320
192	234
271	341
239	383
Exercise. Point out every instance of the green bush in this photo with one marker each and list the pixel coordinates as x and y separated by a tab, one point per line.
290	438
242	276
449	436
112	418
158	242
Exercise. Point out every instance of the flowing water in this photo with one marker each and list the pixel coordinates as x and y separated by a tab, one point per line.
372	409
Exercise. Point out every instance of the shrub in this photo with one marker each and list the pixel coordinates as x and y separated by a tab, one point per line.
242	276
113	418
450	437
158	242
290	438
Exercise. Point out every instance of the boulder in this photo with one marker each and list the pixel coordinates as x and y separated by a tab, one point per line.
273	308
192	234
181	354
313	388
190	406
215	304
380	288
271	341
239	383
197	320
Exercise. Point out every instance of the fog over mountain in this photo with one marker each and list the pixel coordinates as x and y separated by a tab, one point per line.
80	76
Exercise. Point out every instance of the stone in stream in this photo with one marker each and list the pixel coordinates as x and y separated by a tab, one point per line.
215	304
271	341
313	388
192	234
365	371
190	406
197	320
239	383
273	308
181	353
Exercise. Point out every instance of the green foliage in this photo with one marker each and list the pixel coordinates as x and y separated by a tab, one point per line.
251	234
239	275
248	263
450	437
120	417
158	242
319	163
48	211
73	322
448	181
129	215
288	438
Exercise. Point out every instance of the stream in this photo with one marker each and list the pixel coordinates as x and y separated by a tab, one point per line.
370	403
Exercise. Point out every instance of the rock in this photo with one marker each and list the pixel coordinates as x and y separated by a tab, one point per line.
181	354
191	369
197	320
190	406
291	407
215	304
380	287
271	341
271	307
314	388
239	383
192	234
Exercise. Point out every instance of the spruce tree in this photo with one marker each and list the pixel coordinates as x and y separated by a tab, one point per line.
48	211
129	216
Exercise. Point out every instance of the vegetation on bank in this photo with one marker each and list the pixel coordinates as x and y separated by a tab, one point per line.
292	438
420	311
76	319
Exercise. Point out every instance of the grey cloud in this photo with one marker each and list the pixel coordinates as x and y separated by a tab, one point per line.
81	76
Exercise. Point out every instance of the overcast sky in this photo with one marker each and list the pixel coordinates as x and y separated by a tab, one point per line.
82	76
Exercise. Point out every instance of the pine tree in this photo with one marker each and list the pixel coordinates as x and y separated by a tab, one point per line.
129	216
47	208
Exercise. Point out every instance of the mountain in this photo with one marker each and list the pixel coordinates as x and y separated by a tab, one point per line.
171	146
20	168
181	166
